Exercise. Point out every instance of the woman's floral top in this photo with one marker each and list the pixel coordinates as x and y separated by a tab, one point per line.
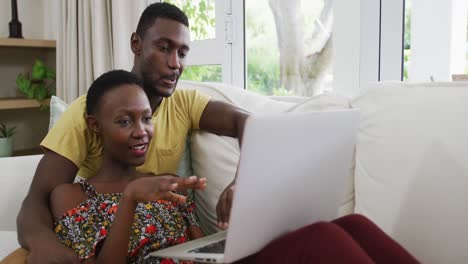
157	225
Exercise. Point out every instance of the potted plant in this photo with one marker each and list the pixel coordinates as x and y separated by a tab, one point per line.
40	85
6	140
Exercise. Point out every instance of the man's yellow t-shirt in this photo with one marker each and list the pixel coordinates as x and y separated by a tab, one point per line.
175	117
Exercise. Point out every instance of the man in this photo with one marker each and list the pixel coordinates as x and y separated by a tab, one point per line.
160	45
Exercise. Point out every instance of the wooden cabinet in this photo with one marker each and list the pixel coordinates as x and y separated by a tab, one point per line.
18	56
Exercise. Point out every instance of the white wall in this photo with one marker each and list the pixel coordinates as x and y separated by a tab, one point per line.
30	14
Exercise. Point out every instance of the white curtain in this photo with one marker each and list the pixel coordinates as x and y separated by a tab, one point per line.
92	37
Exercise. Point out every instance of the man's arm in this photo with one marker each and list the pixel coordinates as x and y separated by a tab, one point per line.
223	119
34	221
227	120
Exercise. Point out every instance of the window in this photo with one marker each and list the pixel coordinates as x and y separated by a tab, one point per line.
201	14
288	46
435	42
203	73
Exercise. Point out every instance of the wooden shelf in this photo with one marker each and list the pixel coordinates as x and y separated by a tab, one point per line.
20	103
27	43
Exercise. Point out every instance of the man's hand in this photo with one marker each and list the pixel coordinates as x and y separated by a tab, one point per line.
223	208
49	251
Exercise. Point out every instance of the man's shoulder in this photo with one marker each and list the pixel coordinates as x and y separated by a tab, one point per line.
181	98
75	112
79	105
189	95
77	108
181	92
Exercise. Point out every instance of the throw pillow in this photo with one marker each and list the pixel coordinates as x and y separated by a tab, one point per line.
411	167
57	107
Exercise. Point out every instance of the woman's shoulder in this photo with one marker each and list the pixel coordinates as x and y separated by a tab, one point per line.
64	197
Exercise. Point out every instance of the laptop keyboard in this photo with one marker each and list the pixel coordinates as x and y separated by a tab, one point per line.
217	247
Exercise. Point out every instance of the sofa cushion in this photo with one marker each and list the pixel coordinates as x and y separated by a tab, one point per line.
412	168
216	157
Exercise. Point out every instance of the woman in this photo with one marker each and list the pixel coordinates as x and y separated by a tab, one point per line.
118	216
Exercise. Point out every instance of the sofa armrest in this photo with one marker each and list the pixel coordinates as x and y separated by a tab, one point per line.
15	178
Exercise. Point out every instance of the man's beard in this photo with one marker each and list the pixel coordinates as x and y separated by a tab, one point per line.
149	85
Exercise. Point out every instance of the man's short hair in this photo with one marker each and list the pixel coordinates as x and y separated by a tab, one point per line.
107	82
162	10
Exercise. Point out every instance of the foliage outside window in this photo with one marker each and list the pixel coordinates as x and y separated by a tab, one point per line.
289	46
407	41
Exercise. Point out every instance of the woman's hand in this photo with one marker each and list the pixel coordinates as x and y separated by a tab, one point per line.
151	188
142	189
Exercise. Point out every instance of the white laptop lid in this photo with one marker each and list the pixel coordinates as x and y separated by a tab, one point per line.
291	173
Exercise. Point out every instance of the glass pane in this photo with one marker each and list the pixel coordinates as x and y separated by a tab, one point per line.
202	73
441	52
201	15
288	46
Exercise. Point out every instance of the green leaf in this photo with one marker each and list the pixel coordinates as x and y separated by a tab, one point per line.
202	7
23	84
50	74
39	70
10	132
40	91
3	129
20	82
31	93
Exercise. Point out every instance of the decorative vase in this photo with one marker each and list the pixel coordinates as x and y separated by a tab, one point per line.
15	24
6	147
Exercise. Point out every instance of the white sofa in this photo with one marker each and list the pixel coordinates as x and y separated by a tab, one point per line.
409	175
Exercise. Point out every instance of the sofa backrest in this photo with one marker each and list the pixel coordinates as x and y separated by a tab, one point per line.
412	166
16	174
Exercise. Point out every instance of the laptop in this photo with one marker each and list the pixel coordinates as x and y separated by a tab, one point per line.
292	171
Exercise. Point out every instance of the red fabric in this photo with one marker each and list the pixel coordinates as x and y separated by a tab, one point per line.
350	239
